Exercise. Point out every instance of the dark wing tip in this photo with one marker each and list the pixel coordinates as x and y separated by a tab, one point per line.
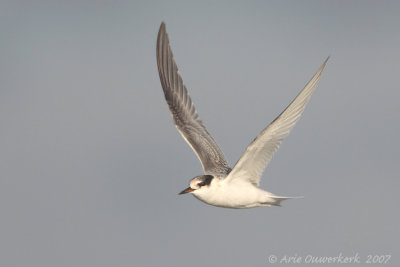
161	33
162	26
326	60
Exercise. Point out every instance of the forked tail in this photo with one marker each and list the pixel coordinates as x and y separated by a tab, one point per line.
277	199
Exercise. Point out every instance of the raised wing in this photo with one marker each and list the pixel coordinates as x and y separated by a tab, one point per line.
258	154
183	111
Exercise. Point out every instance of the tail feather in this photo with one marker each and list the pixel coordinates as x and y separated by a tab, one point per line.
277	199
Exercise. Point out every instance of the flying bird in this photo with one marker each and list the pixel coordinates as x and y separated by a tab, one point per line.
220	185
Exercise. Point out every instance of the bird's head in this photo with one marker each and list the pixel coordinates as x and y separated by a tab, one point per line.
197	183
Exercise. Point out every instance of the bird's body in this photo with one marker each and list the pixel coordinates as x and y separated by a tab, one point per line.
238	194
222	186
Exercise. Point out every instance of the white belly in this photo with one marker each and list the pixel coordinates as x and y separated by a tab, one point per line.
233	195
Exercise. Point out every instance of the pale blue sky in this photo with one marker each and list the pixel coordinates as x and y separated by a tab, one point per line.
91	163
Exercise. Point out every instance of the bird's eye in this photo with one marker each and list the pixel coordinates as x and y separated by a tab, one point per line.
201	184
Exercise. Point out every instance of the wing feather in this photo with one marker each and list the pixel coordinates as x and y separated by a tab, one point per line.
183	111
258	154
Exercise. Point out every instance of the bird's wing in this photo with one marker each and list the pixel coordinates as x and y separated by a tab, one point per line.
258	154
183	111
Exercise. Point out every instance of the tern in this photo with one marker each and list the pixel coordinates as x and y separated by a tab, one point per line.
221	186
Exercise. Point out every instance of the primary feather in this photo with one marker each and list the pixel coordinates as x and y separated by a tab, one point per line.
258	154
184	113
